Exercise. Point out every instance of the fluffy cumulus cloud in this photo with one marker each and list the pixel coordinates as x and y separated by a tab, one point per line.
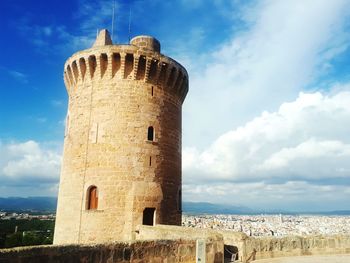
29	165
303	146
261	127
282	48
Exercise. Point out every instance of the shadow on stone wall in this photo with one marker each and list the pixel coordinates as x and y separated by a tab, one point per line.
143	251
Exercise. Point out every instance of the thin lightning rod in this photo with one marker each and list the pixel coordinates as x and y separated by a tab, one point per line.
113	20
129	24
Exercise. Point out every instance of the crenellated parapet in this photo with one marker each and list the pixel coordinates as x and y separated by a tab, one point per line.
139	61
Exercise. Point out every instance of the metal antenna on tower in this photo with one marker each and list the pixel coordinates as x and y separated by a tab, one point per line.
129	23
113	20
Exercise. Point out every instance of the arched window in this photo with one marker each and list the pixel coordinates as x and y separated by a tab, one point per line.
92	198
150	133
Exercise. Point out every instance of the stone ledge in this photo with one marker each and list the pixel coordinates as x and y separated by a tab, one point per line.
309	259
160	251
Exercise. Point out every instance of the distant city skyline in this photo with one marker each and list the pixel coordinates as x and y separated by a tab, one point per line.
272	225
265	122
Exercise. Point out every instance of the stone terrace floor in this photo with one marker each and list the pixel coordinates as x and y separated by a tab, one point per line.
309	259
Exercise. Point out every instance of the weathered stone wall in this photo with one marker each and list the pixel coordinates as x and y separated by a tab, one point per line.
180	246
143	251
236	239
250	248
116	92
214	241
296	246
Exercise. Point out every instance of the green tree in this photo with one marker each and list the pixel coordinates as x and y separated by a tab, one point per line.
31	238
14	240
36	232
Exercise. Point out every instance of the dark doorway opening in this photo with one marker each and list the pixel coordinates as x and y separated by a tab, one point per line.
230	253
148	216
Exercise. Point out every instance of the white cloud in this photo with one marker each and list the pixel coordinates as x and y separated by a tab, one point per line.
29	163
308	129
317	151
306	140
286	47
288	196
291	152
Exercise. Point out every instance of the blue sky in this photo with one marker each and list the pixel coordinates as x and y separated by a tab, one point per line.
265	124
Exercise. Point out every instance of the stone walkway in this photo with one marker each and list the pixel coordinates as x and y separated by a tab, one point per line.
308	259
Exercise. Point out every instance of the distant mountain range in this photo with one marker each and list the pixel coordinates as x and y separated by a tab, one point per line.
48	204
209	208
28	204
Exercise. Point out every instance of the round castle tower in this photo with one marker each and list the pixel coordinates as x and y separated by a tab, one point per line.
122	149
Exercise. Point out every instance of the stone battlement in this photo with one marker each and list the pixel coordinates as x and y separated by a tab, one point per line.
139	61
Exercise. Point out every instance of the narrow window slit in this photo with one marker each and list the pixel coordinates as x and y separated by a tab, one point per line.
150	133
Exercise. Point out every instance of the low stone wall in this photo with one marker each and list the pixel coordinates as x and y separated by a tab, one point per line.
213	239
162	243
295	246
143	251
250	248
236	239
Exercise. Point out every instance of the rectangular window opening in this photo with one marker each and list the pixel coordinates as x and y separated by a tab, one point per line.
148	216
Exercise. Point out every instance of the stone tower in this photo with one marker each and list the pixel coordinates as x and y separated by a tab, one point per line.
122	149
